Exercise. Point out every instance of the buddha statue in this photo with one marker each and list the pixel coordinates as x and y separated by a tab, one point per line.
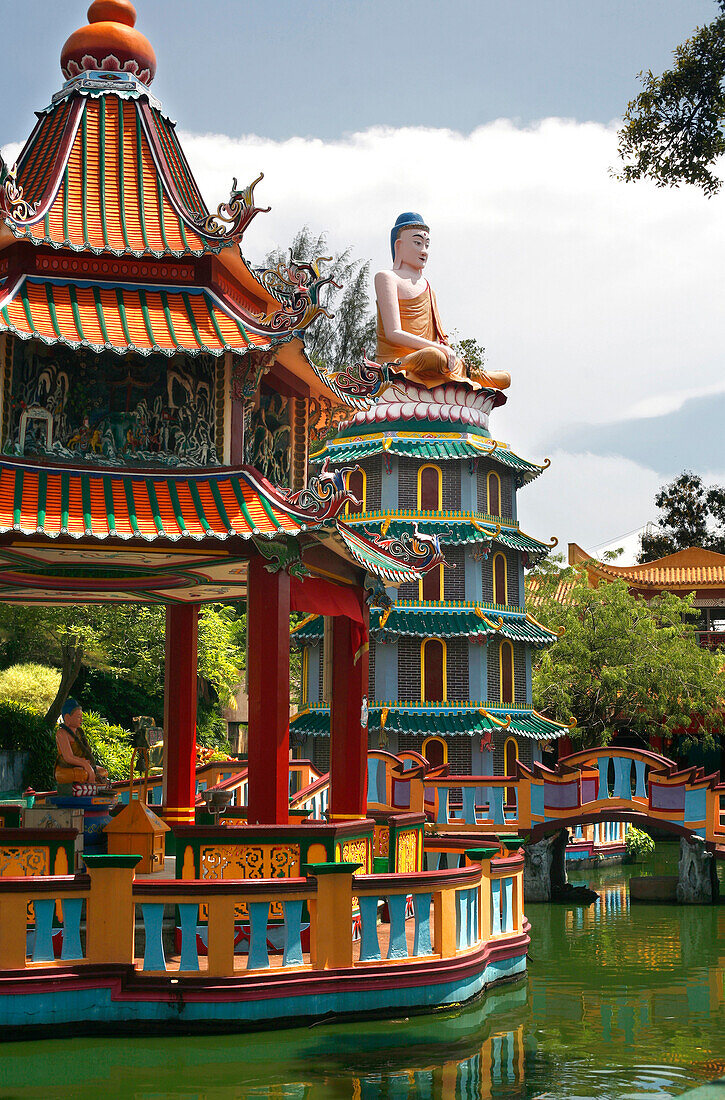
75	763
409	328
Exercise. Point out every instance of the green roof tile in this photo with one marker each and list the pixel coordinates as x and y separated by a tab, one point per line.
441	622
446	721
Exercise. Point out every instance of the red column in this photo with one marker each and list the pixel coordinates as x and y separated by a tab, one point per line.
348	738
268	612
182	622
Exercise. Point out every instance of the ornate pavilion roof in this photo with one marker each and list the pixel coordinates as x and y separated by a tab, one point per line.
437	719
688	570
408	618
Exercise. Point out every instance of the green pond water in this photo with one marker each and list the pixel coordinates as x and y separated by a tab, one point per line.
619	1002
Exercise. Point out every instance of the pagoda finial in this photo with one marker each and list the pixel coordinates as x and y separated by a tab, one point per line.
110	42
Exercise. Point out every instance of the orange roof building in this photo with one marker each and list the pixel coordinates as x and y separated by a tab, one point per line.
691	570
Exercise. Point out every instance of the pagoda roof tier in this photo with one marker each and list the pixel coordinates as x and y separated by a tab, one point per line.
437	719
441	620
436	447
455	529
124	317
103	171
78	534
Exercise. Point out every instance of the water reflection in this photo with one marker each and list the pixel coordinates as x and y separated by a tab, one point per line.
620	1003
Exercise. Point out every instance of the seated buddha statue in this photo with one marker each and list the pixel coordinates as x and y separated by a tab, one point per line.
75	763
409	328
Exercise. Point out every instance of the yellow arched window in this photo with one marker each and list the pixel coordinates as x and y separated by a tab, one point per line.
304	674
433	671
356	483
430	488
435	750
493	494
510	756
506	672
500	579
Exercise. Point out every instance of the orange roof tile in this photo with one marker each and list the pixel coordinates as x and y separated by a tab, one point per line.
122	318
107	174
694	567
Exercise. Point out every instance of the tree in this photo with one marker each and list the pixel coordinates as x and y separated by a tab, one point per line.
349	334
623	665
674	130
691	516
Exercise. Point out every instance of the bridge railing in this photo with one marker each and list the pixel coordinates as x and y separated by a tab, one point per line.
453	913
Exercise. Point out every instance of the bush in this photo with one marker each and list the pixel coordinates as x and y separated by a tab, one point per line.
119	699
30	685
22	730
639	845
110	745
211	728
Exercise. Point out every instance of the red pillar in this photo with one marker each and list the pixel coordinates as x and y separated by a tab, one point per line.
268	612
348	738
182	622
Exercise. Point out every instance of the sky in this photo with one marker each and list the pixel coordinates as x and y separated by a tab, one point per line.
497	121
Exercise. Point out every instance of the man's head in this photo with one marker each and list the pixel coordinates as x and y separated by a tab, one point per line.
406	226
72	714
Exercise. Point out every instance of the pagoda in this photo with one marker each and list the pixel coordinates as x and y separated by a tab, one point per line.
154	408
450	659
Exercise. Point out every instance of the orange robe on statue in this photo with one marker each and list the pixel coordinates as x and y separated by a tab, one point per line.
429	366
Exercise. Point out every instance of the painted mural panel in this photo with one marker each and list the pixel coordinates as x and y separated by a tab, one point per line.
76	406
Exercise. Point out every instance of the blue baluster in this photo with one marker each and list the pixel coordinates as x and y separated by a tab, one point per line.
433	860
469	805
497	798
461	919
622	777
43	946
72	909
472	915
495	906
421	941
369	944
603	765
442	815
258	958
153	920
640	787
189	917
509	896
292	955
398	948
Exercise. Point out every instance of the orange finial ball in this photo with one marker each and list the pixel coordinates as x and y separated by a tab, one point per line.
109	42
112	11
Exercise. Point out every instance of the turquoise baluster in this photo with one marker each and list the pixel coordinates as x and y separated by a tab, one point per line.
422	941
43	946
258	958
398	948
640	787
469	805
497	801
442	815
153	920
292	955
189	917
472	915
461	919
495	907
509	900
433	860
369	943
603	764
622	777
72	909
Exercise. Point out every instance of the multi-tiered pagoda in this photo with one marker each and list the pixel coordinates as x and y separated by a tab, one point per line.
450	661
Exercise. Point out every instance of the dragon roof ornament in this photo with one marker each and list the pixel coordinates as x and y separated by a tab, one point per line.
231	217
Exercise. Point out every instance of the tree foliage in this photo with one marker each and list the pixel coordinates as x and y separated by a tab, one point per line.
623	665
691	515
674	130
349	334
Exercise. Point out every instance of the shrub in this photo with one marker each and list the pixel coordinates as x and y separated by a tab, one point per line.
30	685
211	728
22	730
110	745
117	697
639	845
